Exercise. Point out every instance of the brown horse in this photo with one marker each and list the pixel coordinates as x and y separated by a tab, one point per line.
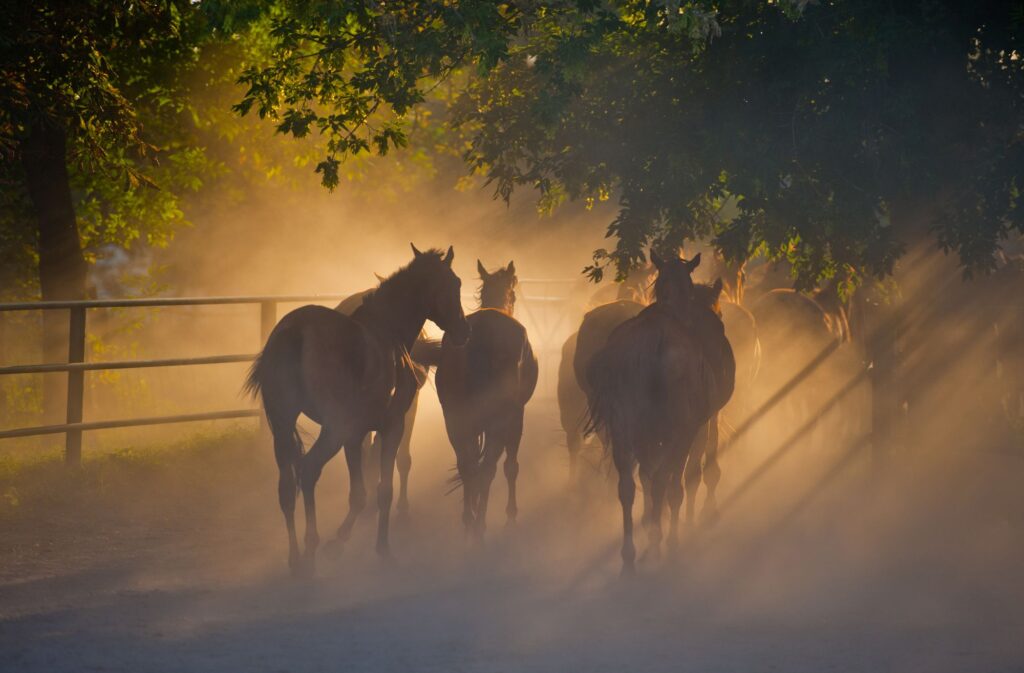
352	375
371	450
633	294
660	378
702	464
794	330
483	389
577	351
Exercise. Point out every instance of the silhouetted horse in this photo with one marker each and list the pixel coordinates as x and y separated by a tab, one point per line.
741	331
794	330
660	378
483	389
371	450
597	324
577	351
352	375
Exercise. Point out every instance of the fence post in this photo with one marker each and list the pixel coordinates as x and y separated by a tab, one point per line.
76	387
268	318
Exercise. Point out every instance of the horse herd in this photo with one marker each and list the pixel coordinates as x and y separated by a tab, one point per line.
648	379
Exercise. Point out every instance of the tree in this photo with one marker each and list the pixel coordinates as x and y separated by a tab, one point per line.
834	134
76	76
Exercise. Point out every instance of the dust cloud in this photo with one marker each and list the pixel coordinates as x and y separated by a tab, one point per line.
830	553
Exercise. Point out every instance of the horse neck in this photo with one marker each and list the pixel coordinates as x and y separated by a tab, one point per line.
395	311
495	300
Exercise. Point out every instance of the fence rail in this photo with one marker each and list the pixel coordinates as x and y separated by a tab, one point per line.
76	366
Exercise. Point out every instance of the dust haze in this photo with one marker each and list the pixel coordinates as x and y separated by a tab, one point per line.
830	554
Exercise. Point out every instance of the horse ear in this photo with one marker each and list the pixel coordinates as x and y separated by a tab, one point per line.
450	257
656	259
717	287
693	263
380	278
482	270
512	267
415	250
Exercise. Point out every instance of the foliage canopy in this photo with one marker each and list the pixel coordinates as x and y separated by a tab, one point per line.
829	134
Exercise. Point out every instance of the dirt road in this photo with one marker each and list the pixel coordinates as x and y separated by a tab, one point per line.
178	564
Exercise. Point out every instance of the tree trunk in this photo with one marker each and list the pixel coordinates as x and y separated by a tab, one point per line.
62	266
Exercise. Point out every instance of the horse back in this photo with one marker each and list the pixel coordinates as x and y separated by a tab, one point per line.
594	331
496	363
658	373
327	364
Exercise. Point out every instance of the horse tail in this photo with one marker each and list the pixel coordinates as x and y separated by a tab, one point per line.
253	385
277	364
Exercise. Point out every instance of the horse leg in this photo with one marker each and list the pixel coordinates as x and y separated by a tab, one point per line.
674	495
712	473
390	436
514	436
370	448
494	445
658	482
357	486
326	447
627	491
404	461
467	464
288	454
693	472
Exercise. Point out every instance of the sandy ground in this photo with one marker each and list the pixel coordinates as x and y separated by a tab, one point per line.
179	565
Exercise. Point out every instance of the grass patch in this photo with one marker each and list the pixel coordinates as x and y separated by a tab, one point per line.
38	482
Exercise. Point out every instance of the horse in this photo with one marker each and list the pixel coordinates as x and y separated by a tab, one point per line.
794	329
577	351
662	376
371	450
594	329
702	463
483	388
352	375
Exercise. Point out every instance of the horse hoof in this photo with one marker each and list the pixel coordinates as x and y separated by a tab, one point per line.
628	570
384	551
342	536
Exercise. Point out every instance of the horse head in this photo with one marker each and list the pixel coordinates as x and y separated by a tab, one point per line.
674	284
443	292
498	290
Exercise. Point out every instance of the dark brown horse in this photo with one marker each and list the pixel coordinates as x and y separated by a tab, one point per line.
352	375
371	449
660	378
702	464
633	294
484	388
794	330
577	351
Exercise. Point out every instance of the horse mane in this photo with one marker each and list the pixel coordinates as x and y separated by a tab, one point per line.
405	274
399	287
